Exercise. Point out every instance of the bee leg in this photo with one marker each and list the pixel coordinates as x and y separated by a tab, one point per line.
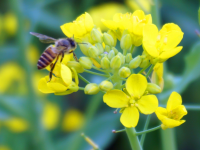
62	53
52	67
75	57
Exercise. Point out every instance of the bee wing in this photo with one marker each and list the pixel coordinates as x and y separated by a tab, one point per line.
43	38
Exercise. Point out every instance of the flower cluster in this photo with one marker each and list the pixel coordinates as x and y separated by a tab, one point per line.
125	87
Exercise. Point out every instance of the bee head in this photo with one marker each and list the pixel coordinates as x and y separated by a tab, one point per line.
72	43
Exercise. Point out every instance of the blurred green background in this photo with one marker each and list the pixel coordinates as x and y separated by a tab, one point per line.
30	120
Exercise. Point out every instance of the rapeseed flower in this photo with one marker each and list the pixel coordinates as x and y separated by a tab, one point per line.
161	45
132	101
171	115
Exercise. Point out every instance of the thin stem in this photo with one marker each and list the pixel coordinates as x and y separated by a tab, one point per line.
109	78
94	67
83	79
132	49
95	73
145	128
81	88
155	13
118	131
133	139
168	139
192	107
141	71
150	70
124	52
149	130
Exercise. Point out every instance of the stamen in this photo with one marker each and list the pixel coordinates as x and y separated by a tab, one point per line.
158	38
165	40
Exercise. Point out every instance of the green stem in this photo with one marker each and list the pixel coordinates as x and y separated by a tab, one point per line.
141	71
155	13
118	131
109	78
132	49
83	79
133	139
94	67
125	52
149	130
81	88
168	139
95	73
192	107
145	128
149	71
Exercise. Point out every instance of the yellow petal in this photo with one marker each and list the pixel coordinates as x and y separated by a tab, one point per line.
171	123
67	57
150	49
174	101
148	19
116	99
42	86
88	22
130	117
169	27
57	85
110	24
96	63
179	112
139	13
66	75
150	33
170	53
147	104
173	39
136	84
161	113
66	29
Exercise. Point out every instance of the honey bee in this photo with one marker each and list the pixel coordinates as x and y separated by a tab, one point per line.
62	46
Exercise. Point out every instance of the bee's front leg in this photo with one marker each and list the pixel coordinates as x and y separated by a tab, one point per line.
75	56
52	67
62	56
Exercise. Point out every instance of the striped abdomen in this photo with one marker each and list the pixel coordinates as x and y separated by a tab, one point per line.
46	58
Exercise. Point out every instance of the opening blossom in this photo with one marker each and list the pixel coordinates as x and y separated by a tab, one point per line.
171	116
133	101
162	45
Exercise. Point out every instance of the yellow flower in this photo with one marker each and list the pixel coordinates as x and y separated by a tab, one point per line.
16	124
56	84
10	23
80	28
132	101
157	75
50	116
32	54
162	45
131	23
73	120
105	11
11	72
171	116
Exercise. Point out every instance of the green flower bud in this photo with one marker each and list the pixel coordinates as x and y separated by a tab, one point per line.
144	63
96	36
122	57
91	89
99	47
106	85
135	62
108	39
153	88
105	63
126	42
85	62
116	62
93	52
76	65
84	48
128	58
111	54
124	72
113	35
115	50
107	48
